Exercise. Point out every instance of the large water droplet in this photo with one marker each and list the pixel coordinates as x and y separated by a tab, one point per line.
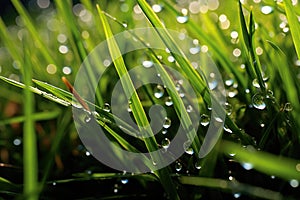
178	166
258	101
165	143
167	123
159	91
182	19
204	120
147	63
187	147
106	107
294	183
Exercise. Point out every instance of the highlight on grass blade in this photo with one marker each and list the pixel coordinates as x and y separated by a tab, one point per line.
76	95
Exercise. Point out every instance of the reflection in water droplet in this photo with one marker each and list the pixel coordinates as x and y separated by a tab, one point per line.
247	166
294	183
168	101
258	101
288	107
167	123
159	91
147	63
106	107
204	120
165	143
182	19
178	166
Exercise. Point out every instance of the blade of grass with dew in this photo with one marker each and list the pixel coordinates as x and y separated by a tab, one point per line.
267	163
30	158
32	29
231	186
137	109
190	72
253	61
293	25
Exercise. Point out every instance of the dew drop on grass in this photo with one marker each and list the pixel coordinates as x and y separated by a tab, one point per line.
198	164
204	120
106	107
87	118
17	141
255	83
167	123
237	195
182	19
195	50
187	147
228	130
157	8
147	63
232	92
159	91
168	101
228	108
178	166
258	101
189	108
229	82
212	84
165	143
164	131
96	114
266	10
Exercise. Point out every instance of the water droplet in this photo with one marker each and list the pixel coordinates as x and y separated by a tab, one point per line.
53	183
232	92
247	166
165	143
17	141
229	82
255	83
294	183
266	10
87	118
204	120
228	108
232	154
96	114
228	130
288	107
167	123
164	131
198	164
195	50
182	19
189	108
187	148
273	177
87	153
178	166
124	181
147	63
168	101
258	101
106	107
212	84
159	91
154	162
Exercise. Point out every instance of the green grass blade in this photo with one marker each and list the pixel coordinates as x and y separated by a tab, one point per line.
293	24
137	109
30	141
284	168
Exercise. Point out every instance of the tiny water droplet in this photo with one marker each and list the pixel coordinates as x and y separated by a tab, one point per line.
258	101
288	107
124	181
266	10
159	91
189	108
198	164
212	84
228	130
147	63
87	118
229	82
228	108
168	101
237	195
178	166
195	50
247	166
167	123
204	120
53	183
164	131
157	8
187	147
165	143
154	162
232	92
255	83
106	107
182	19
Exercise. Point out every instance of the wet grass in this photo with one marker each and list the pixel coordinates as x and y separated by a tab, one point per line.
254	153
